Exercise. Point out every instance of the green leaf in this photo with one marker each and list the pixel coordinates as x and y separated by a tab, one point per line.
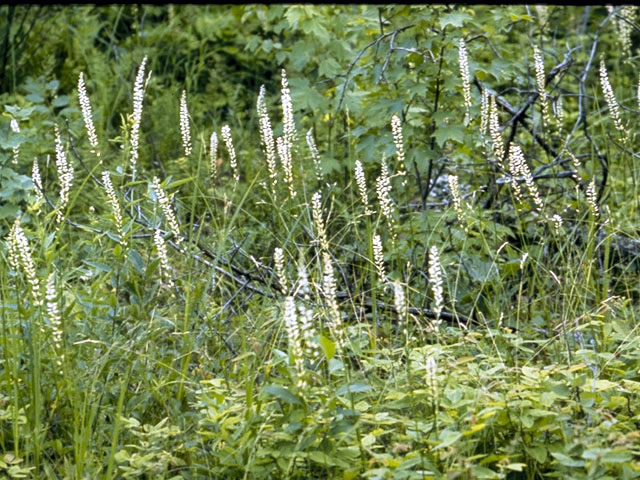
354	388
448	437
456	19
567	461
328	347
483	472
283	394
136	260
449	132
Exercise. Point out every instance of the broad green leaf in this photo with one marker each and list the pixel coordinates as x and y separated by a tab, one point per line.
354	388
456	19
328	347
283	394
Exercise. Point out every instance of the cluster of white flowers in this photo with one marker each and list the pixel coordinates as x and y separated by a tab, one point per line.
540	82
115	205
559	110
318	221
163	255
65	176
278	257
165	206
306	313
213	155
15	128
454	187
37	180
518	168
266	137
295	339
55	319
629	12
315	155
612	103
378	258
20	256
494	131
400	303
466	77
484	112
383	189
362	187
138	96
289	126
592	198
85	107
557	223
436	281
284	152
228	141
330	292
543	13
396	130
185	129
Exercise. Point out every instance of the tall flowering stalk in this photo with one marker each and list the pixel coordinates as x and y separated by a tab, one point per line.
362	187
20	257
266	138
163	255
55	319
213	153
311	349
15	128
228	141
435	278
138	96
278	257
315	155
378	258
65	176
165	206
540	83
383	189
463	59
285	143
454	188
295	339
396	129
612	103
37	180
185	129
318	221
592	199
497	144
331	296
115	205
85	107
400	303
519	168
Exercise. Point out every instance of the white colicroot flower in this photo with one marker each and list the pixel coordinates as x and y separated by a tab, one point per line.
318	221
138	96
163	255
278	257
497	144
315	155
592	198
266	138
115	205
85	107
518	168
37	180
213	154
330	291
228	141
463	59
15	128
362	187
165	206
540	82
383	189
400	304
454	188
396	130
295	339
378	258
185	129
609	96
306	313
55	319
436	281
20	256
65	176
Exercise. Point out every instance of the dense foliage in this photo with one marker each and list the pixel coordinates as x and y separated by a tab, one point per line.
319	242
